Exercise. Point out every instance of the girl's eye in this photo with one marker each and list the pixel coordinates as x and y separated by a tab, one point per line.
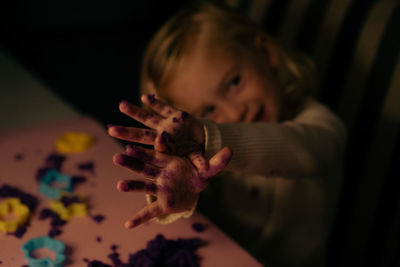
208	111
234	82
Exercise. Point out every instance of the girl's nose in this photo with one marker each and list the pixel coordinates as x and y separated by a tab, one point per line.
233	112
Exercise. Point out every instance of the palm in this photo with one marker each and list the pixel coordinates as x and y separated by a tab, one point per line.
173	182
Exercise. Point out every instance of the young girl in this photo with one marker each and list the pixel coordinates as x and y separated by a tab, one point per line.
229	98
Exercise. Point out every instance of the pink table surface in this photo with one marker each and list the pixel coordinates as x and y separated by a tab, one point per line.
80	234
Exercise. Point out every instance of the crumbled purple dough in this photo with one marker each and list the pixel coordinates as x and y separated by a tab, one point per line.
55	161
198	227
99	239
55	224
68	201
164	252
98	218
159	252
18	157
77	180
97	263
41	172
87	166
26	198
52	162
114	257
54	232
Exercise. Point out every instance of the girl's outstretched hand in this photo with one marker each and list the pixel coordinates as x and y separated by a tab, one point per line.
173	181
171	130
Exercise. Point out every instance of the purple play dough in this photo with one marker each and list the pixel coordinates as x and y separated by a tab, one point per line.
55	224
159	252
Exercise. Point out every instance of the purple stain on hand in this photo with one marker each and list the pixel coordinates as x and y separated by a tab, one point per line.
175	119
151	171
166	138
151	98
184	115
170	202
131	162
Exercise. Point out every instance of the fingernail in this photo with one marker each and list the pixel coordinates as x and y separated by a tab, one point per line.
124	103
123	186
128	225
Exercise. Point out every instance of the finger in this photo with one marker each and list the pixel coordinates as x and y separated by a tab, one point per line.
141	115
199	161
147	155
162	142
145	214
219	161
136	165
158	106
137	186
137	135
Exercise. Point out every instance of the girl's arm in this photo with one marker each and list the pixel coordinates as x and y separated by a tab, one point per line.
301	147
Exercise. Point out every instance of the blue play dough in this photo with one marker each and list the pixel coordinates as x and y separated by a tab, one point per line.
44	242
52	176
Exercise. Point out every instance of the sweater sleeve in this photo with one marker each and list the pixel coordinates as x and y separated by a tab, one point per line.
301	147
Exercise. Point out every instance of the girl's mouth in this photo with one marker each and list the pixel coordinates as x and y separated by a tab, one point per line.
261	115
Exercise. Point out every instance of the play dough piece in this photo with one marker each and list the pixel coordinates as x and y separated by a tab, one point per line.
44	242
47	188
72	142
13	206
66	211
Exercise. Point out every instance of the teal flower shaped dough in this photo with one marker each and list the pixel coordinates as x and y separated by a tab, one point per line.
52	177
44	242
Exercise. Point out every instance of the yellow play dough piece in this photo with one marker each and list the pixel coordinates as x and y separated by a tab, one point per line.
71	142
65	213
19	210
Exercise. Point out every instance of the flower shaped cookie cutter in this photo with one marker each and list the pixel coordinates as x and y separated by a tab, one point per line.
20	212
71	142
44	242
47	187
67	211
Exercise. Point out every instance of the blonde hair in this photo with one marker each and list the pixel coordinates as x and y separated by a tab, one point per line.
216	26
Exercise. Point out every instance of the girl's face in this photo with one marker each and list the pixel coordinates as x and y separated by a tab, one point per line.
226	87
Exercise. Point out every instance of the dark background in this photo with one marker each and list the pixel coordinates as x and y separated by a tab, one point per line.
87	52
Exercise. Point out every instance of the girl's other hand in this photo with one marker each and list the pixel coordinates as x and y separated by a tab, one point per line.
171	130
173	181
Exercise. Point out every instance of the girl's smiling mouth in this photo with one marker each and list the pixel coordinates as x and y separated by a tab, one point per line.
261	115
